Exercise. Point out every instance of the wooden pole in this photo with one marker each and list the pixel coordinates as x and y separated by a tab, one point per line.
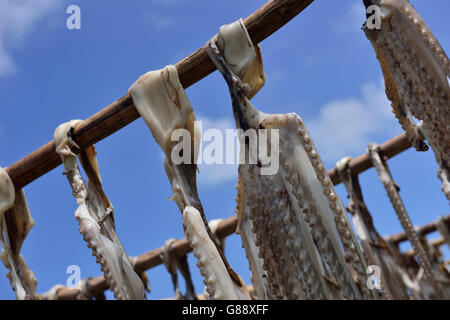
389	149
422	230
260	24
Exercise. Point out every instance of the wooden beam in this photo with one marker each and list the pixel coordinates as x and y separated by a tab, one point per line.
422	230
260	24
389	149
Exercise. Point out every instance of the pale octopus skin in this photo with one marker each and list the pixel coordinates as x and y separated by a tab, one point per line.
282	217
416	71
376	250
95	217
15	224
391	187
161	101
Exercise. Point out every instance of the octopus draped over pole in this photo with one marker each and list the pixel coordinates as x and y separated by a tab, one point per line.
96	218
416	72
15	224
376	250
161	101
392	188
290	216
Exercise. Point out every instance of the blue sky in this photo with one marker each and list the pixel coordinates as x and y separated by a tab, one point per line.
320	65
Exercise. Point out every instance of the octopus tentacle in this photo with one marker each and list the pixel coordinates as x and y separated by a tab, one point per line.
170	265
349	242
291	209
173	264
416	72
15	224
212	268
385	177
183	266
95	217
376	250
161	101
245	230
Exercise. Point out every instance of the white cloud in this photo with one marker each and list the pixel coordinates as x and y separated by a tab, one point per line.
345	127
216	174
159	22
17	20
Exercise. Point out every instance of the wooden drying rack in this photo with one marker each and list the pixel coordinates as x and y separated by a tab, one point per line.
260	25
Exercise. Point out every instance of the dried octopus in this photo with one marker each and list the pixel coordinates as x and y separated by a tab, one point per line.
416	71
173	264
96	218
441	274
15	224
392	191
161	101
376	250
288	214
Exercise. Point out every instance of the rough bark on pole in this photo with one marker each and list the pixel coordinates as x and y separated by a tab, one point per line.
260	24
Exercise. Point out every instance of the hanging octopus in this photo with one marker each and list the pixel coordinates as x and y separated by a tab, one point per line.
96	218
161	101
296	215
15	224
416	71
392	191
173	264
375	248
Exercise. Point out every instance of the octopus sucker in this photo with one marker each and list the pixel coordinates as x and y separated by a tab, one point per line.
391	189
15	224
375	248
294	208
162	102
212	268
96	218
416	71
245	230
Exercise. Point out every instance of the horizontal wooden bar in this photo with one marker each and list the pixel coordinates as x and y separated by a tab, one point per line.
422	230
388	149
435	243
